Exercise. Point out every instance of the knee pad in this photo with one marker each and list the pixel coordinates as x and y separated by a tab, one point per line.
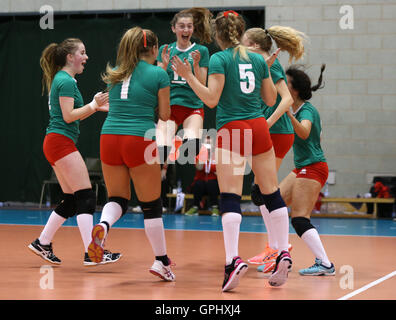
230	202
152	209
273	201
122	202
301	224
257	197
85	201
67	207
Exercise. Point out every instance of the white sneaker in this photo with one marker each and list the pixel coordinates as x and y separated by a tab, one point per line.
164	272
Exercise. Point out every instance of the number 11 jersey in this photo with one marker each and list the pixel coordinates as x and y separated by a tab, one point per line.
181	93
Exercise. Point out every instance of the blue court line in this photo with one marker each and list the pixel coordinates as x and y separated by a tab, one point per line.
325	226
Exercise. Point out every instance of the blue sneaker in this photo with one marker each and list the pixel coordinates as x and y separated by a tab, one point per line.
318	269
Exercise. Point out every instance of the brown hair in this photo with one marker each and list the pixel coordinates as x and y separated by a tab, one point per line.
286	38
229	28
53	59
134	43
201	20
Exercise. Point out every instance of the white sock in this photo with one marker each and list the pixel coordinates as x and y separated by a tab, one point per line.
54	222
154	229
272	241
85	224
279	222
111	212
231	222
312	239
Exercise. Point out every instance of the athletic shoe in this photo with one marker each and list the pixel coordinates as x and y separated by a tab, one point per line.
215	211
318	269
108	257
164	272
95	248
267	257
233	272
192	212
44	251
281	271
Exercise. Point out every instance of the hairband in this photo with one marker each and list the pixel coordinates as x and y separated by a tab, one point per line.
144	39
226	13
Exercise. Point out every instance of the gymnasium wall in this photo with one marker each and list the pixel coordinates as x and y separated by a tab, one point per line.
357	105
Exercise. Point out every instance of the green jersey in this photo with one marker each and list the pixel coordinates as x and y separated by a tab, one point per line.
283	125
181	93
63	85
308	151
133	101
240	99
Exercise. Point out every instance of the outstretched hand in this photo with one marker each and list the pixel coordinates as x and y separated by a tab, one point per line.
182	68
165	55
271	59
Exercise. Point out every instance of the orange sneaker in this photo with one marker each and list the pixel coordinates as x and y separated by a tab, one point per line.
267	255
269	262
259	259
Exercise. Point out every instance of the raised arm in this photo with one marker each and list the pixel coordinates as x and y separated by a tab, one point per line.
209	95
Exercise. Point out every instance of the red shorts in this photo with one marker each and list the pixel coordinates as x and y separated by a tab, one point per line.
56	146
181	113
246	137
318	171
282	143
132	151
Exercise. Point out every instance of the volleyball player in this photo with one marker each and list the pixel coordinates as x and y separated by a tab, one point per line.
186	108
60	64
237	81
301	187
282	134
137	87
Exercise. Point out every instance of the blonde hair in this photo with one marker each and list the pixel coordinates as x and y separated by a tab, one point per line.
201	20
53	59
132	46
286	38
229	29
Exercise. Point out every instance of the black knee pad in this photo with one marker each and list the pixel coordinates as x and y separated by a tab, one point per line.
273	201
152	209
85	201
301	224
67	207
122	202
257	197
230	202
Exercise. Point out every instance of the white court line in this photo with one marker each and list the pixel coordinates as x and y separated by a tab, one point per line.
368	286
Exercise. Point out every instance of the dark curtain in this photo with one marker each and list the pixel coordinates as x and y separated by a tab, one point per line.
24	110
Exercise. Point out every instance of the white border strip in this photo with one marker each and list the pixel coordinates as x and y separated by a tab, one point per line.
368	286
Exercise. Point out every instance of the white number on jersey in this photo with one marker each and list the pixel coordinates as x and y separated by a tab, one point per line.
177	79
125	88
246	87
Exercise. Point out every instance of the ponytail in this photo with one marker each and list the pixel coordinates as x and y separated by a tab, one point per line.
49	67
134	43
286	38
201	20
229	27
53	59
318	85
301	82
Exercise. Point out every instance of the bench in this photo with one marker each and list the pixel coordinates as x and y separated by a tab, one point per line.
375	202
